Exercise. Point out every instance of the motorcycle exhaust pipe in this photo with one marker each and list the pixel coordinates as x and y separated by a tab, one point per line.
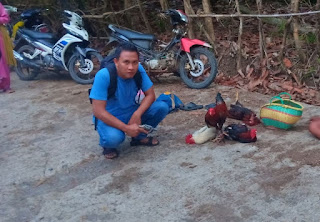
25	61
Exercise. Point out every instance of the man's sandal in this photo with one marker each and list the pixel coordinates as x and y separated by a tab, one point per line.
110	153
149	142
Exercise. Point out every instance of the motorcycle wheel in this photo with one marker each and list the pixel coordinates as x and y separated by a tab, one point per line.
85	75
206	68
24	72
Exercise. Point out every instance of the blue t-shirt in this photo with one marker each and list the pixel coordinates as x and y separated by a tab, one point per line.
124	100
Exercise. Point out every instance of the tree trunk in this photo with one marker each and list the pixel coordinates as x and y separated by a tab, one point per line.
263	53
128	15
188	10
284	39
164	4
145	19
239	38
191	12
208	21
295	8
114	16
318	43
318	27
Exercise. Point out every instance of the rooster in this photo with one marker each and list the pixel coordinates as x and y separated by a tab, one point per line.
201	136
241	133
216	116
239	112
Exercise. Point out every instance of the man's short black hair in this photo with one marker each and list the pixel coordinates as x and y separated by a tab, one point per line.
125	47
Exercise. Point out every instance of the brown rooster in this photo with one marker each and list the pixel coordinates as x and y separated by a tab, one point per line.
216	116
239	112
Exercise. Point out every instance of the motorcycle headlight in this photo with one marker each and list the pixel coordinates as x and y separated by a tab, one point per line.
75	34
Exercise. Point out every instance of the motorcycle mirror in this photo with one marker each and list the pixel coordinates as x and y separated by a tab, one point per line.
10	8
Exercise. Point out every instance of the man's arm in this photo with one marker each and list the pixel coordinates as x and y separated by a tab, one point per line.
145	104
99	112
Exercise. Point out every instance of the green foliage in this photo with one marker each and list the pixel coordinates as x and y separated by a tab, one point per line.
281	27
161	24
309	37
309	73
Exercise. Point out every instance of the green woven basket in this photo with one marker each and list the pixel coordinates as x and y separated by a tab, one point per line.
281	113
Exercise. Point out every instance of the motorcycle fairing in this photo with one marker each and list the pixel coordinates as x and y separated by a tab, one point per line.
44	46
76	31
60	48
187	43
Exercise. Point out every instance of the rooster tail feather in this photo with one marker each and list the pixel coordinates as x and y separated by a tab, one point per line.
219	98
237	96
237	103
201	130
189	139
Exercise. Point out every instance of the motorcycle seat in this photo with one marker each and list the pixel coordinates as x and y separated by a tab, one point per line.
46	42
132	34
38	35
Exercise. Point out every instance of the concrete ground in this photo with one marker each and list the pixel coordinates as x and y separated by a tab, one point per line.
51	166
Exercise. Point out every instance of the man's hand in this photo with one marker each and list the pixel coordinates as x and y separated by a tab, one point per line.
134	130
135	119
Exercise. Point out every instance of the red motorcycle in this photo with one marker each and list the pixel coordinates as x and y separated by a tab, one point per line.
193	59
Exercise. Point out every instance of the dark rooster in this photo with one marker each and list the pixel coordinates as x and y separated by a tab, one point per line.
241	133
239	112
216	116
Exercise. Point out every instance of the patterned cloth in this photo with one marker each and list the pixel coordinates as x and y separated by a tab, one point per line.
6	51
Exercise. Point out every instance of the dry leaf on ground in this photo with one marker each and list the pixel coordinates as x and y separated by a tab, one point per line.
287	63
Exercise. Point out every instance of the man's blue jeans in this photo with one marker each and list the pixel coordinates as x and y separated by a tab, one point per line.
111	137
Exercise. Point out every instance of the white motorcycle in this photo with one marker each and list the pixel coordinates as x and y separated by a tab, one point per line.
35	51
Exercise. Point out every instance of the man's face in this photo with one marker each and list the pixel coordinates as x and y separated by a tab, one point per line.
127	64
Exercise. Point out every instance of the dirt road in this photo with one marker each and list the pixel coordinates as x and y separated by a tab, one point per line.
51	166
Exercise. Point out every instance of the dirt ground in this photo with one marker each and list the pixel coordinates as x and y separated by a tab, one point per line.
51	166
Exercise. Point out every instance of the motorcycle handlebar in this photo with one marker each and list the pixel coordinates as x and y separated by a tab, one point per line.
167	12
10	8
